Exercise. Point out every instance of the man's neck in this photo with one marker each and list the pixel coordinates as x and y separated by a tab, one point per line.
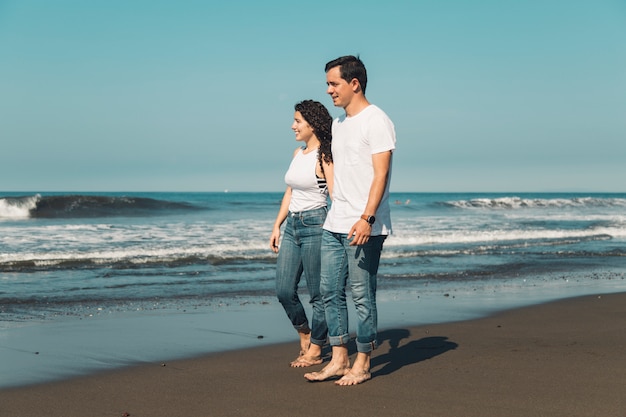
357	104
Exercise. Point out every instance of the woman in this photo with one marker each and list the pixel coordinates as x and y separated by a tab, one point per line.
309	182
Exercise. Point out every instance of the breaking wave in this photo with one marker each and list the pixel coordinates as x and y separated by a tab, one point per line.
510	203
84	206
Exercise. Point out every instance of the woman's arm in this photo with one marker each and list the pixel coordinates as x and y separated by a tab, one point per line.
329	172
280	218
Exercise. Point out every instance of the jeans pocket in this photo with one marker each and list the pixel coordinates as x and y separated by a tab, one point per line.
314	220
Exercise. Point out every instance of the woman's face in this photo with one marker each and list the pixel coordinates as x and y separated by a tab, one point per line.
303	130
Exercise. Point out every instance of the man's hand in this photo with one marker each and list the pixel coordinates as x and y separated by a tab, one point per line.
361	232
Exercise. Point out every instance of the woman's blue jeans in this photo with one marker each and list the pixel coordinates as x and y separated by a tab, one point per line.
300	253
358	266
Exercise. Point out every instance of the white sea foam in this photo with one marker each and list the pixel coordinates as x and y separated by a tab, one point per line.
18	208
439	237
517	202
53	245
203	237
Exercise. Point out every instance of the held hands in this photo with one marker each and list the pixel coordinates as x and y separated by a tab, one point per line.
361	232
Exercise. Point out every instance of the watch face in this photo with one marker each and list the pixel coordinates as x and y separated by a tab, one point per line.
369	219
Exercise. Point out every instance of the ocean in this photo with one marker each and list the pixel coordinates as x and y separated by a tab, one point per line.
72	257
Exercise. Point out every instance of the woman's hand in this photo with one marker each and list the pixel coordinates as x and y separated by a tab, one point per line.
274	240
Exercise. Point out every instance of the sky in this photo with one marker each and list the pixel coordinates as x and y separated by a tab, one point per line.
153	95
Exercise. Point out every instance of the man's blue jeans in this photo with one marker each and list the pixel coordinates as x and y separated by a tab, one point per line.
300	253
358	266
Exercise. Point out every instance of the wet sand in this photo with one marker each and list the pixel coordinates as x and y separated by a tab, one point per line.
565	358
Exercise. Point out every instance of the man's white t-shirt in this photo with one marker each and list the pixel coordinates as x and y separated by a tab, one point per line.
355	140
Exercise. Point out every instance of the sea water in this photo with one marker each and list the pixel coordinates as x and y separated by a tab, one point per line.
70	257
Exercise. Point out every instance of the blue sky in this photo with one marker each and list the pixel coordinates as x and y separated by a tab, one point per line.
496	95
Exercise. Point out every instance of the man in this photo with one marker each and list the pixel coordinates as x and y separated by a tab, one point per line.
358	221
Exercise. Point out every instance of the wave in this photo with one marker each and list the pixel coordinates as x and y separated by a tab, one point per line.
505	247
132	258
18	207
531	236
244	256
243	262
84	206
519	203
122	263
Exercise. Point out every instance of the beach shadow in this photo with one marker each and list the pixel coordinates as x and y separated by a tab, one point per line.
410	353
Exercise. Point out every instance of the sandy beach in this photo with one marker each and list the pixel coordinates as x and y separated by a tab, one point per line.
564	358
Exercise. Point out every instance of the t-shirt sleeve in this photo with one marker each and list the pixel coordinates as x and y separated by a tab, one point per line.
381	134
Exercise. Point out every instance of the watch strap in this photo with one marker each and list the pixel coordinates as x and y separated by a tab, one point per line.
368	219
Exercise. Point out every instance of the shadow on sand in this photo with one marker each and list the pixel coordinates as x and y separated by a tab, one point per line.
398	356
407	354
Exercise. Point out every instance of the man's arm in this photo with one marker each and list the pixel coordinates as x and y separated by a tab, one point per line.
362	229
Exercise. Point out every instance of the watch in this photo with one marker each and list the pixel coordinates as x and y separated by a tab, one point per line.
369	219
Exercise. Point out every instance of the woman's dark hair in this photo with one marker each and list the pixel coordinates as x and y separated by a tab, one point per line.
317	116
350	67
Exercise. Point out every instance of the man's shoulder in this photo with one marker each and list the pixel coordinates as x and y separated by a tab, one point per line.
372	114
377	117
375	110
369	112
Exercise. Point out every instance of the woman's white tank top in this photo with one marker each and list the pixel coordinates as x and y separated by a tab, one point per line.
308	192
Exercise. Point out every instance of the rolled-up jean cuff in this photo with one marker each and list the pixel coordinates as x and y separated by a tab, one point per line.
318	342
366	347
339	340
301	327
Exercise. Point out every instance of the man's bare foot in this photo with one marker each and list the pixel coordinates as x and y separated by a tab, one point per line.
330	371
354	379
304	361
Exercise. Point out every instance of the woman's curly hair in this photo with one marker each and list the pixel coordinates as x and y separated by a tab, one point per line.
320	120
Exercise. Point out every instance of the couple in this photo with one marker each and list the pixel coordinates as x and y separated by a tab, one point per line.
345	243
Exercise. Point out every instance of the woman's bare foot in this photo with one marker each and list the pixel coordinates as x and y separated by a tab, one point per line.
305	340
351	378
304	361
331	370
313	356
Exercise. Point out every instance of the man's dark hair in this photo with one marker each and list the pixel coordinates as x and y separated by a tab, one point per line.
350	67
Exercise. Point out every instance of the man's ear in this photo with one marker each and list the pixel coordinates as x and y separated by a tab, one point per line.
355	85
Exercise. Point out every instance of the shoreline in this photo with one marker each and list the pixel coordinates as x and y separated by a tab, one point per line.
561	358
42	352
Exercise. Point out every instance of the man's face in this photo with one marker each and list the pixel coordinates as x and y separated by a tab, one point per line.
339	89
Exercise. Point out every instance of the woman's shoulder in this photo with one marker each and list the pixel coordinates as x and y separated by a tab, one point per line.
297	151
